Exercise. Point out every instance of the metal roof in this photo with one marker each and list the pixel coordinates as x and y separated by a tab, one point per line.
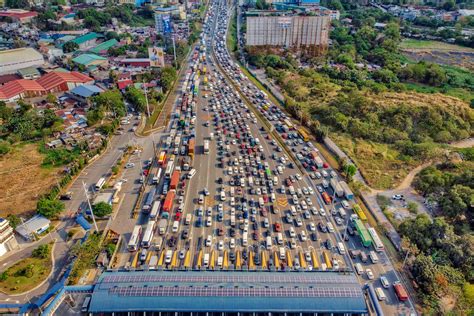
104	46
86	37
219	291
86	90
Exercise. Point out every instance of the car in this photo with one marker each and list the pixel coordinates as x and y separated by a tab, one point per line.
182	253
277	227
314	210
185	234
323	227
292	243
201	199
312	227
314	236
384	281
298	176
339	221
143	255
322	211
320	189
307	256
398	197
129	165
66	196
370	274
298	222
303	235
208	241
220	245
209	222
206	192
220	232
306	214
232	243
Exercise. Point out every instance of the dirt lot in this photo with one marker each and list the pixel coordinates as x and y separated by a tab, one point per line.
23	180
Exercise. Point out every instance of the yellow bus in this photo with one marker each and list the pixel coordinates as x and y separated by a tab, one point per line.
358	210
303	134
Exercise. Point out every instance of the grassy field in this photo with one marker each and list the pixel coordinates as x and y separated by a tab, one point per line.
432	45
378	163
23	179
463	94
18	281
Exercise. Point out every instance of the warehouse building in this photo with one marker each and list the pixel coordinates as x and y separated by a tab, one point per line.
302	34
12	60
231	293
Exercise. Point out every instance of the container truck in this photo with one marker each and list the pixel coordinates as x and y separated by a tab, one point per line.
336	187
168	204
347	191
149	200
174	180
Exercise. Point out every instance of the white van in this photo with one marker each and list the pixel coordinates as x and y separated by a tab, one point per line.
188	219
280	238
373	257
261	203
330	227
206	260
169	254
272	197
175	227
191	173
380	294
359	268
275	180
341	248
245	239
223	198
269	243
232	191
325	184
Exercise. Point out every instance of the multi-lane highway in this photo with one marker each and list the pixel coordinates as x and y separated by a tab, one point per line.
253	197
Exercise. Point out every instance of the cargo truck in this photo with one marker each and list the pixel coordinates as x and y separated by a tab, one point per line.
347	191
162	226
336	187
174	180
168	204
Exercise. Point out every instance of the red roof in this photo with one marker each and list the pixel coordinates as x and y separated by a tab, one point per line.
18	15
123	84
43	84
7	78
54	79
16	87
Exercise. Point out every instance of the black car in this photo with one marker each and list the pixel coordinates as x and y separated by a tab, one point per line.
314	236
185	234
328	244
232	256
232	232
172	241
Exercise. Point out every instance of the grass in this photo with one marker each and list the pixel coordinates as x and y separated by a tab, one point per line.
232	34
17	282
378	163
432	45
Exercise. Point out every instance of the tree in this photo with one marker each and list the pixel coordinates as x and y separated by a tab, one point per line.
51	98
449	5
41	251
49	208
111	100
168	76
412	207
13	220
70	46
5	147
350	170
17	4
136	98
102	209
112	35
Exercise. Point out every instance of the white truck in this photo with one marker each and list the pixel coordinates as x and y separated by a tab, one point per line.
162	226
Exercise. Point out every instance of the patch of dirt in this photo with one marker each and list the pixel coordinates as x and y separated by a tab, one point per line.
23	180
460	59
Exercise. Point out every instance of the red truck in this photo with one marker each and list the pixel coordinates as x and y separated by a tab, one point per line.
174	180
168	204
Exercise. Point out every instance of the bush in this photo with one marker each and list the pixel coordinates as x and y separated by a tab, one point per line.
41	252
102	209
49	208
5	147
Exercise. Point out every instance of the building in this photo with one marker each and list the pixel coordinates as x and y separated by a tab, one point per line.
29	73
83	93
18	15
13	60
227	293
163	19
7	237
86	41
302	34
53	82
104	46
90	61
137	3
34	226
135	62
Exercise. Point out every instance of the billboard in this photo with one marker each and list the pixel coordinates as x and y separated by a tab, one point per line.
157	56
166	20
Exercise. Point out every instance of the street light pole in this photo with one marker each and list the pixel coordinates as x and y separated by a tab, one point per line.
90	206
146	100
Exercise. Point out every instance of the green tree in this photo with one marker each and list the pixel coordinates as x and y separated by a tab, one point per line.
14	220
112	101
102	209
5	147
412	207
17	4
168	76
41	251
51	98
70	46
49	208
136	98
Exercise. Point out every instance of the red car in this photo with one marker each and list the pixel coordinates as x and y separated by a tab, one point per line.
220	232
145	172
325	165
255	235
277	227
313	168
177	216
265	199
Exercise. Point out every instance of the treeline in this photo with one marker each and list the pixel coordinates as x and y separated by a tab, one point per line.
95	19
442	264
451	186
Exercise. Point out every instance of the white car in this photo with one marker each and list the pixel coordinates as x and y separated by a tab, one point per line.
303	235
232	243
370	275
220	245
209	222
129	165
312	227
322	211
385	282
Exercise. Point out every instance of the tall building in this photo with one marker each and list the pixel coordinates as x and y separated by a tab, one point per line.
302	34
7	237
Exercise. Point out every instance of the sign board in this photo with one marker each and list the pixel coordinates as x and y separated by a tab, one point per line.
157	56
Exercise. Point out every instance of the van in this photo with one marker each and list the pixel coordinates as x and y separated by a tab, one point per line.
325	184
282	253
341	248
175	227
373	257
232	220
223	198
280	238
293	210
380	294
188	219
245	239
169	254
275	180
261	203
206	260
269	243
358	268
363	256
292	190
211	136
330	227
250	182
191	173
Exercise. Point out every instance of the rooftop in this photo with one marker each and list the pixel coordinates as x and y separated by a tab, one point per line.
104	46
86	90
35	224
86	59
196	291
11	56
86	37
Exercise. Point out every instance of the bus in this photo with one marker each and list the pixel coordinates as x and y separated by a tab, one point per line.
162	158
100	184
169	169
358	210
148	235
135	238
303	134
400	291
149	200
206	146
363	233
326	198
378	245
155	209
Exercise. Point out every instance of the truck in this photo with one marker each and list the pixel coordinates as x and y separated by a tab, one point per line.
169	168
347	191
162	158
162	226
318	162
187	163
149	200
400	291
191	145
336	187
168	204
206	146
174	180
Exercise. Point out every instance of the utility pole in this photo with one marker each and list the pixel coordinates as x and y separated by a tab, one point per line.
174	50
146	100
90	206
